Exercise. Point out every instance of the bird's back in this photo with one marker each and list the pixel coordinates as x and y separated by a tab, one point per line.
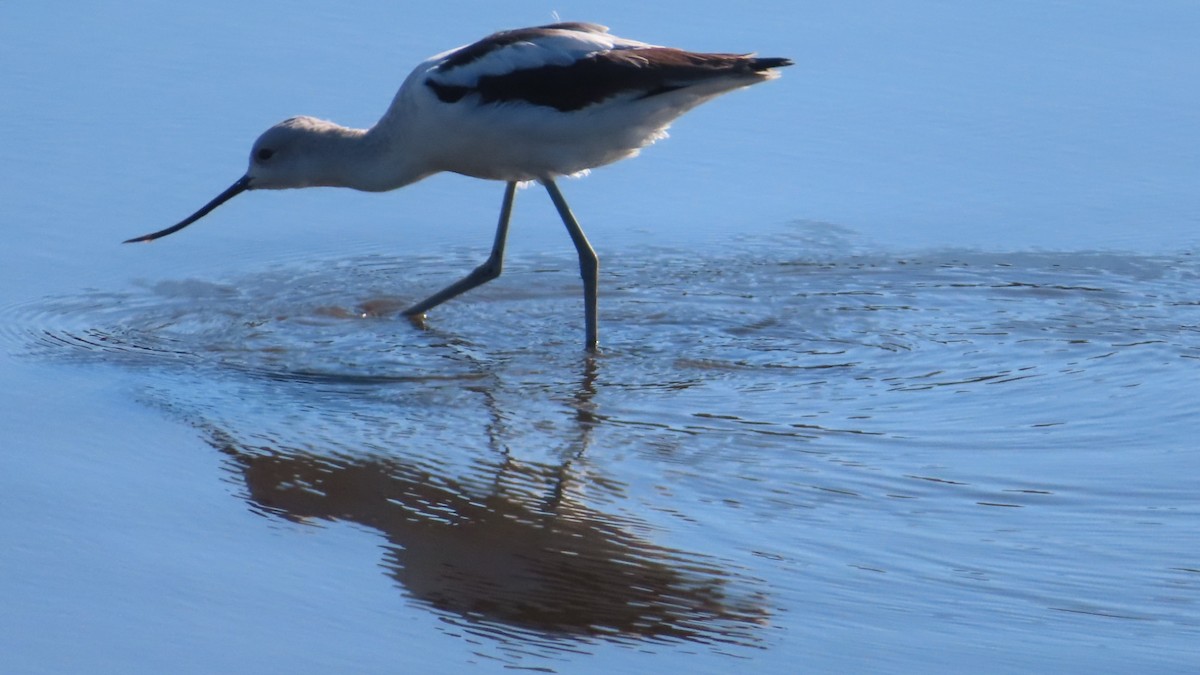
559	99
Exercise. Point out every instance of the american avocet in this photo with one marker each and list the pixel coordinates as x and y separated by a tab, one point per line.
530	104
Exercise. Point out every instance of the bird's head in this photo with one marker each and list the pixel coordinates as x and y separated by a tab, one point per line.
298	152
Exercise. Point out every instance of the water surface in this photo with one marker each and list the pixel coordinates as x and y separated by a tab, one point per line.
773	448
899	362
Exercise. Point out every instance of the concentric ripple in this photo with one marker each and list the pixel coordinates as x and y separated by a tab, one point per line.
776	412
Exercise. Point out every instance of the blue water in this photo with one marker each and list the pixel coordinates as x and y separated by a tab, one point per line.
899	363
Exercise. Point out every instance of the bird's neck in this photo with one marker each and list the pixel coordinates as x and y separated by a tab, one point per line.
372	160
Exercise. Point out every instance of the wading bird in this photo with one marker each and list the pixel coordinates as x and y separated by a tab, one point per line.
530	104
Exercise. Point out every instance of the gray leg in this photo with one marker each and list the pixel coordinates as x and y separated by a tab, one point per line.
489	270
589	264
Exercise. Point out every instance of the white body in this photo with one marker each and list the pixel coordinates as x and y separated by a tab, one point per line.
510	141
526	142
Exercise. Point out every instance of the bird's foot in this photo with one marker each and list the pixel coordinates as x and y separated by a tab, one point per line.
417	319
379	307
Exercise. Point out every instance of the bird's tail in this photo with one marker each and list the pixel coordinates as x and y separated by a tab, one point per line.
760	64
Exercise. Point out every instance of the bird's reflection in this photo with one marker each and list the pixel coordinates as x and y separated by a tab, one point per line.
437	454
517	552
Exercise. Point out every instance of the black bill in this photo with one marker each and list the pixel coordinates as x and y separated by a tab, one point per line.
232	191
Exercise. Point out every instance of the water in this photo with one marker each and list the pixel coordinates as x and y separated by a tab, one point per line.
932	417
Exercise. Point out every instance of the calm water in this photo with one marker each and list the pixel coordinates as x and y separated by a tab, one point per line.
899	377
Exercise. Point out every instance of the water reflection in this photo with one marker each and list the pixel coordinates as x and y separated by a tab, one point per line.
509	557
427	442
802	414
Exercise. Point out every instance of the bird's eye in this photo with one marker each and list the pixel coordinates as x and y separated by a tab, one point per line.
264	154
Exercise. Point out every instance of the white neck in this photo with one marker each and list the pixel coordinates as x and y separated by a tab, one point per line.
372	160
309	152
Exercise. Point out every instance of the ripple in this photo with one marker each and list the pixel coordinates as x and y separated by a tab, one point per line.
837	398
735	342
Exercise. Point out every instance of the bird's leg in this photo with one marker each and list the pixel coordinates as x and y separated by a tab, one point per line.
589	263
490	269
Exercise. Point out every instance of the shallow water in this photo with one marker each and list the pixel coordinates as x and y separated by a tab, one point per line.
899	369
785	444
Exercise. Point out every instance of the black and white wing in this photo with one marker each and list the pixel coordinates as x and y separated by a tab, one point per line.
571	66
